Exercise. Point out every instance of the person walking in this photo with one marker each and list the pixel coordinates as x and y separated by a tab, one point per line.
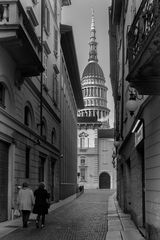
25	202
41	204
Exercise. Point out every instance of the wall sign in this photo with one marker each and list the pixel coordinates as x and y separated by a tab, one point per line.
139	135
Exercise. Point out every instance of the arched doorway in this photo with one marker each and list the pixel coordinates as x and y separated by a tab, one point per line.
104	181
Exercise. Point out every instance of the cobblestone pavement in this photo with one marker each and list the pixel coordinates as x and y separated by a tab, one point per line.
85	218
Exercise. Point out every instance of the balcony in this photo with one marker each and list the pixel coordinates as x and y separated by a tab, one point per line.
144	49
18	37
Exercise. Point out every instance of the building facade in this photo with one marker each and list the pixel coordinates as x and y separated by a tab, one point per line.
91	118
71	101
30	99
107	170
134	40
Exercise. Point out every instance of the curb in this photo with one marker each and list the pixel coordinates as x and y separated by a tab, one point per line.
120	225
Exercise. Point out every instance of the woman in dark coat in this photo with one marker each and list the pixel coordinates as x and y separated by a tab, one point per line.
41	204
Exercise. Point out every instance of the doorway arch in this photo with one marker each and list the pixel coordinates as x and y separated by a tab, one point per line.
104	181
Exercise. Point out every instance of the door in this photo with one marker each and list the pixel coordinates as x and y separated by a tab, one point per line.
140	150
3	181
104	181
52	178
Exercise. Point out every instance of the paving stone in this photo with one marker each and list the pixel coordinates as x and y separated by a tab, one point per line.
114	222
127	224
131	235
115	235
115	228
124	215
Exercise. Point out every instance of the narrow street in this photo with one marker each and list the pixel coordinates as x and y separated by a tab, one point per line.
85	218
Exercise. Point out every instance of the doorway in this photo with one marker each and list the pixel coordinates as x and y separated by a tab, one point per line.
140	150
104	181
4	147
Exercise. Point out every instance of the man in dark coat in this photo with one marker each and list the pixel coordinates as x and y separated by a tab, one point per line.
41	204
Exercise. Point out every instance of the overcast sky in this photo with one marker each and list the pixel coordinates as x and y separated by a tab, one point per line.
78	15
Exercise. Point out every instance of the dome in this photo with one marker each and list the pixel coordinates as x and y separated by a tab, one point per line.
93	69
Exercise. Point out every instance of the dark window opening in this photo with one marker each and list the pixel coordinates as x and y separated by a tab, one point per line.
27	162
2	95
41	169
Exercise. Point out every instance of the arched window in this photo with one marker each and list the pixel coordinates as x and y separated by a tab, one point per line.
83	140
98	92
44	128
91	91
27	117
85	92
2	95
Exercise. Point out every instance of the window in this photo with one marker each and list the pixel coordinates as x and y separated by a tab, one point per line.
55	43
92	91
2	95
133	9
32	17
45	60
46	19
85	92
53	136
82	161
84	140
27	162
27	116
98	92
55	87
41	168
55	9
82	174
44	129
1	12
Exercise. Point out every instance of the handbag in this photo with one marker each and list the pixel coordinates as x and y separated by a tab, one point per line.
17	213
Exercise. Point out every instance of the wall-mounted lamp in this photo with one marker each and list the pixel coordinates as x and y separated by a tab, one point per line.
117	143
114	163
113	158
113	154
132	104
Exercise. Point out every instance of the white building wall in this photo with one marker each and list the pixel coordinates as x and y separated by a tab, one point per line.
90	154
105	159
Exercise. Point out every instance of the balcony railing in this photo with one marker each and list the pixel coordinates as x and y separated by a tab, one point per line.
144	26
144	47
17	35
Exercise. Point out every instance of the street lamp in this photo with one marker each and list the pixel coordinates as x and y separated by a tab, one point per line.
113	157
132	104
117	143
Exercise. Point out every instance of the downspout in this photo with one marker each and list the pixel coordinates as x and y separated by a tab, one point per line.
122	87
41	76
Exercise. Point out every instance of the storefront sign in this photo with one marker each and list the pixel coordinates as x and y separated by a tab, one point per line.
139	135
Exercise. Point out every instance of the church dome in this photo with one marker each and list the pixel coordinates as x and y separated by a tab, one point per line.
93	69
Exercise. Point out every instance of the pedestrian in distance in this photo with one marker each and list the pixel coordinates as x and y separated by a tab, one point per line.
25	202
41	204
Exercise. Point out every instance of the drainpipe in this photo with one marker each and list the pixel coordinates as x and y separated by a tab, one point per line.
123	61
41	76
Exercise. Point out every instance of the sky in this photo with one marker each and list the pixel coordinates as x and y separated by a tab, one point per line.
78	15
